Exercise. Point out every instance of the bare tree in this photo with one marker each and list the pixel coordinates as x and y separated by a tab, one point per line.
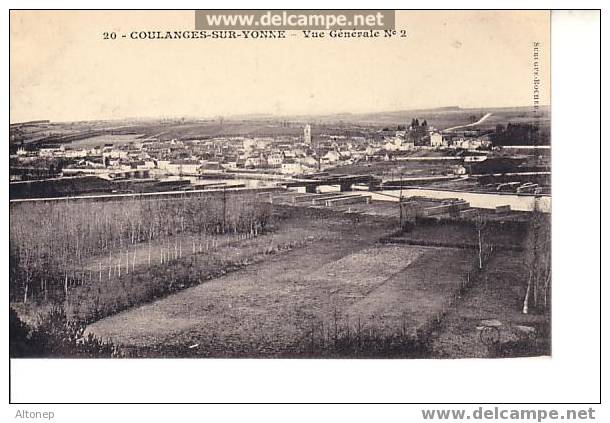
480	224
538	253
54	244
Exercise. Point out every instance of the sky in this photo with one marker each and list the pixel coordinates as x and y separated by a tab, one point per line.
61	69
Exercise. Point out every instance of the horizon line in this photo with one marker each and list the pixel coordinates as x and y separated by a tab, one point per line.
271	114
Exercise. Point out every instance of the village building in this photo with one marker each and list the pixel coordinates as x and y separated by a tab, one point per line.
436	139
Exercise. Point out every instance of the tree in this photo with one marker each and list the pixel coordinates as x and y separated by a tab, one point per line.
538	253
44	259
480	224
26	263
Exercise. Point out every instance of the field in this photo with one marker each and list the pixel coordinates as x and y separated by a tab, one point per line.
273	308
100	140
184	279
450	232
444	117
201	129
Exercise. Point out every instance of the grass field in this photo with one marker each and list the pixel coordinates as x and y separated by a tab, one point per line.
100	140
270	307
506	234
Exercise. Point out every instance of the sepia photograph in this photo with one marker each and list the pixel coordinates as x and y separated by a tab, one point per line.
322	184
293	215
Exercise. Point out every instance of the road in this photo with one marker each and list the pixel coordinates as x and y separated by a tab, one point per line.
478	122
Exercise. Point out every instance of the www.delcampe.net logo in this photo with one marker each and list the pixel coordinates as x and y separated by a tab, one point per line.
295	19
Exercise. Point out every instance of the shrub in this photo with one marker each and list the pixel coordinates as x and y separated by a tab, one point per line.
55	336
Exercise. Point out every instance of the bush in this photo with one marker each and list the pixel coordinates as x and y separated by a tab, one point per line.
19	343
55	336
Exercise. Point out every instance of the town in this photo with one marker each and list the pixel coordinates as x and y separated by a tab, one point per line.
415	153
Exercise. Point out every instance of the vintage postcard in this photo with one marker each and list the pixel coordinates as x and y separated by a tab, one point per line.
280	184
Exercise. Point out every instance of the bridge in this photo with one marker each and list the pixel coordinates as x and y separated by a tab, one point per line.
344	181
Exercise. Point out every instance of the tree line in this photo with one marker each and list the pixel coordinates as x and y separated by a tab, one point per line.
53	243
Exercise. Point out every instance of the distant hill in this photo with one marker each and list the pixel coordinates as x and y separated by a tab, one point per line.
44	132
441	117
